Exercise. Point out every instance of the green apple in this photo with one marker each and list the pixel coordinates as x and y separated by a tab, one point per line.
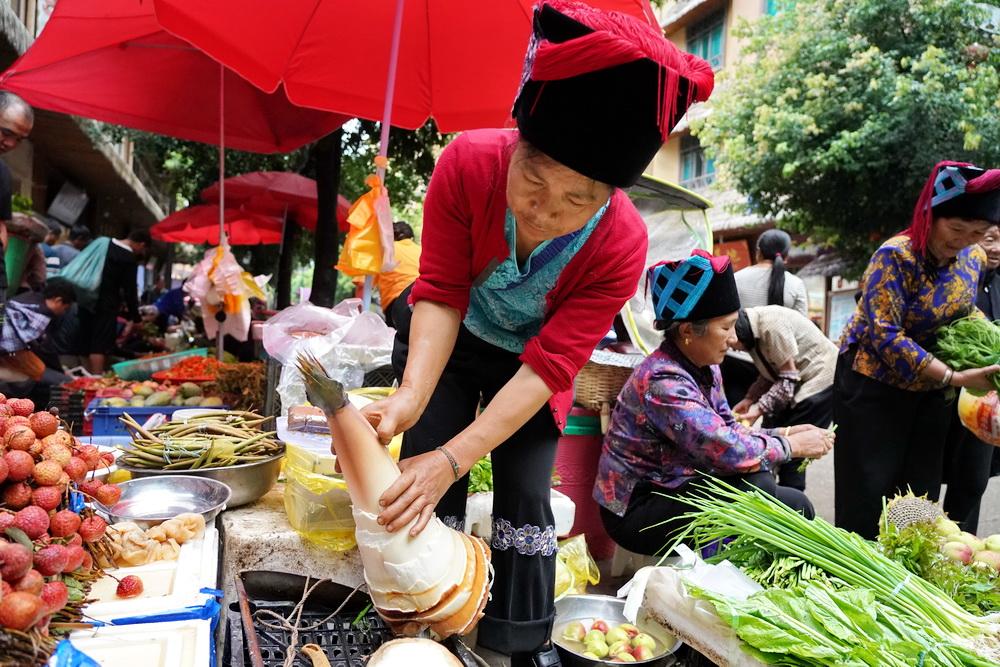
594	636
624	657
600	624
590	656
629	629
574	632
974	542
642	653
642	639
597	647
616	635
993	542
620	646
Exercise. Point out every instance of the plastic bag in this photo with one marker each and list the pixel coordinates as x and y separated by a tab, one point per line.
86	270
575	568
347	341
223	290
318	506
981	415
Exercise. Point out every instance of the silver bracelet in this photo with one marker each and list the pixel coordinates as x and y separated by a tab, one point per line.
451	460
948	377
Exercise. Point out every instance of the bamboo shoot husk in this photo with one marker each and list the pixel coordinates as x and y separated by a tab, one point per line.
439	579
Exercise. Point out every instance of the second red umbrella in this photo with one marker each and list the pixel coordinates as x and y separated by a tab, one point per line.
200	225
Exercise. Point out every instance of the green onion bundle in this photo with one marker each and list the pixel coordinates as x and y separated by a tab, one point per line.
971	342
723	512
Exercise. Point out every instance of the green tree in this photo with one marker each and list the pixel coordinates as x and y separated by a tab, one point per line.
838	109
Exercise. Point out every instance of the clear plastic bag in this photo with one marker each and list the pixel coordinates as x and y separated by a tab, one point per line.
318	505
346	340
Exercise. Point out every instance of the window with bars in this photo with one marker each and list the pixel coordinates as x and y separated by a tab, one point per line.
707	39
697	170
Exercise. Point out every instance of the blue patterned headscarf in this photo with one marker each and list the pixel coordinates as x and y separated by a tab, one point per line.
697	288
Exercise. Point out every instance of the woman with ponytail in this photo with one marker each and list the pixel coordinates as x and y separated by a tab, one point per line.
893	400
766	283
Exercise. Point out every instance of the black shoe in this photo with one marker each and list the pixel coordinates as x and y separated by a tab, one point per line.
546	657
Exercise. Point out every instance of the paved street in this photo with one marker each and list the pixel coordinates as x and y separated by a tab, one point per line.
819	487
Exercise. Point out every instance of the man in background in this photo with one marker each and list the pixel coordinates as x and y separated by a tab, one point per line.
79	238
17	119
118	290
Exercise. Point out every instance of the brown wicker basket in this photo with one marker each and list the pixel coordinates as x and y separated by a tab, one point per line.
599	384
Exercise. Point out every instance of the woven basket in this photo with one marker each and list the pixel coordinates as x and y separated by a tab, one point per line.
598	384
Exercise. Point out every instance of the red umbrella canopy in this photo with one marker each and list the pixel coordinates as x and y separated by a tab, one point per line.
274	192
110	60
459	61
200	225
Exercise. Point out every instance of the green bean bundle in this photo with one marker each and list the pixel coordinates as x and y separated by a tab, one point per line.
971	342
212	440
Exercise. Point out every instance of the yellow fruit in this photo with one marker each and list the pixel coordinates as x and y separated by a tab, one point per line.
119	476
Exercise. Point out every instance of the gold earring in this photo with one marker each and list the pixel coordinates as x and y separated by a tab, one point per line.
687	341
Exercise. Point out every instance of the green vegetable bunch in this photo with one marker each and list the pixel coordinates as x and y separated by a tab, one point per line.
481	476
970	342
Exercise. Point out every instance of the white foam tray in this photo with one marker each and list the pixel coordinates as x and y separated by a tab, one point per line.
169	585
173	644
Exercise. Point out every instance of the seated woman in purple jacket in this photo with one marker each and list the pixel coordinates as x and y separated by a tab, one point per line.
672	424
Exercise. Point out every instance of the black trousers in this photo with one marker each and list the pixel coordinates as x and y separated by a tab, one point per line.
888	440
651	505
816	410
520	612
967	469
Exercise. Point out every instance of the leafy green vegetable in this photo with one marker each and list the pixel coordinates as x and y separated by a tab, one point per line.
481	476
917	548
970	342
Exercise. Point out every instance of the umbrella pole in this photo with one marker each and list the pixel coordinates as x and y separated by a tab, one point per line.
219	336
383	141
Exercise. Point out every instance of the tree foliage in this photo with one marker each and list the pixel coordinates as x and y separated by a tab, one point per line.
838	109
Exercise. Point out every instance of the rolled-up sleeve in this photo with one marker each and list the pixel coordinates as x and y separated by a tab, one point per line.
446	255
715	443
883	303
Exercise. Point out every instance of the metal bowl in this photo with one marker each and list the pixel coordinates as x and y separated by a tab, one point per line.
152	500
592	607
248	481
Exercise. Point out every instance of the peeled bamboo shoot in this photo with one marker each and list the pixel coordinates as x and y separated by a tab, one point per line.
439	579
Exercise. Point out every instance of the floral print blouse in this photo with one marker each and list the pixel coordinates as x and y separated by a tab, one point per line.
905	298
671	423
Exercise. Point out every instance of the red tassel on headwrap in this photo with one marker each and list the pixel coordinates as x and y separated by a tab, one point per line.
919	230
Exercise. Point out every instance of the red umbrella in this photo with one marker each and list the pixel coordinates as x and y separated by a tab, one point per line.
275	193
200	225
111	61
458	61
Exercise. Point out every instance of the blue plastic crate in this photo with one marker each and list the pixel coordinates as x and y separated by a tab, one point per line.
106	420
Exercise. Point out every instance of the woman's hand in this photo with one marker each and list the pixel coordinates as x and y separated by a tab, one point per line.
742	407
975	378
811	442
416	492
751	414
394	414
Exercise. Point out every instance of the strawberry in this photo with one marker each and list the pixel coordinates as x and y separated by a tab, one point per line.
20	465
64	523
108	494
34	521
51	560
20	611
55	595
15	561
16	495
47	473
22	407
92	528
47	497
129	587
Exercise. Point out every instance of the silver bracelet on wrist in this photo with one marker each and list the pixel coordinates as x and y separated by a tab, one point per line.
451	460
948	377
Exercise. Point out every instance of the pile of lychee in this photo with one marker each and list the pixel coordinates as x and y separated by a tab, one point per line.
41	540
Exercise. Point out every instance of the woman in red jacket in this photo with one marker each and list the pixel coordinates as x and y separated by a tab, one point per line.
529	250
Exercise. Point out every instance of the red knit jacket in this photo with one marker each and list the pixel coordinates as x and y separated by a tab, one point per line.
464	232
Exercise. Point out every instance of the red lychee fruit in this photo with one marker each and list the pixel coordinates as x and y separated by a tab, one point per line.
129	587
47	497
22	407
64	523
92	528
58	453
3	470
91	456
17	495
90	487
46	473
20	465
51	560
6	520
43	424
20	610
76	468
58	438
15	561
55	595
19	437
74	556
33	520
31	582
108	494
